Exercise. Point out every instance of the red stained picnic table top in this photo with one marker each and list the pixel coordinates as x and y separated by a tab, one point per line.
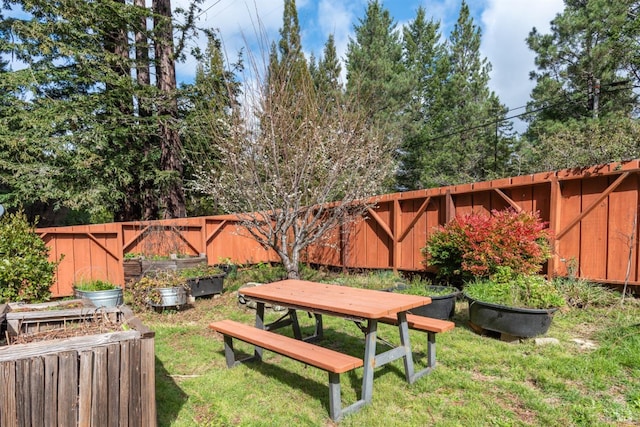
341	300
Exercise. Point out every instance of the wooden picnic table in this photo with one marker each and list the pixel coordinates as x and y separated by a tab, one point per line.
364	306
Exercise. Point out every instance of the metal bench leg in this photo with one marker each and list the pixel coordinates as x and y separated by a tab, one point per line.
229	355
431	349
335	404
431	356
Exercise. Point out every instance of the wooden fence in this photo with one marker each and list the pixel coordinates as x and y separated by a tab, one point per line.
593	213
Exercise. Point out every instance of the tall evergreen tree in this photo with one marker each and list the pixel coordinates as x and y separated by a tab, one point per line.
425	58
587	68
376	75
326	73
85	135
470	138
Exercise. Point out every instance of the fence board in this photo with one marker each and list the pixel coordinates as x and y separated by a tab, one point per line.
37	391
8	406
113	386
51	375
85	389
623	231
67	388
594	250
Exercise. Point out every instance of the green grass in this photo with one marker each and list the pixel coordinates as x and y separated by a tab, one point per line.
479	380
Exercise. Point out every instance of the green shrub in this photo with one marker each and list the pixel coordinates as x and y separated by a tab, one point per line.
26	274
515	290
95	285
476	245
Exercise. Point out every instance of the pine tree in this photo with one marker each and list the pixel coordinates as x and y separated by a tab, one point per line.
376	75
469	140
426	61
326	73
587	68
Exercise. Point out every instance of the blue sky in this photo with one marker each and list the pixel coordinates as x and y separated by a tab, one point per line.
505	24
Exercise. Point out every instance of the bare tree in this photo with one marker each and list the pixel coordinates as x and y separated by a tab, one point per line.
291	169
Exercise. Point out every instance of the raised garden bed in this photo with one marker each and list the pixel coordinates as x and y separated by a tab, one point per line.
84	378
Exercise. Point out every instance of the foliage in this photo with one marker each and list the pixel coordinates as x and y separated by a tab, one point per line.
515	290
427	290
581	293
376	279
584	98
26	274
574	143
476	245
458	149
77	131
376	76
95	285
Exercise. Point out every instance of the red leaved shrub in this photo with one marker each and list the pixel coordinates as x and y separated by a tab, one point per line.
475	245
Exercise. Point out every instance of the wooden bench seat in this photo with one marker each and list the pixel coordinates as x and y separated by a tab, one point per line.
431	327
328	360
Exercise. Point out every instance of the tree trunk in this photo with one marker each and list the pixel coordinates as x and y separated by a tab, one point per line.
172	191
117	43
143	78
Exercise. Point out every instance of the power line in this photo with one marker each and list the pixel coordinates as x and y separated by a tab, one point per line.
494	122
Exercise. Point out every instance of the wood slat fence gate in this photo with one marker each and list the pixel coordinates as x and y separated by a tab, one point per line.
592	212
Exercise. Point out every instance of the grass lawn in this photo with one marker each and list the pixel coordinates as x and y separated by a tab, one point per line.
479	380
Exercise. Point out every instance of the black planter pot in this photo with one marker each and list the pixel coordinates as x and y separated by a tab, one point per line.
519	322
206	285
442	306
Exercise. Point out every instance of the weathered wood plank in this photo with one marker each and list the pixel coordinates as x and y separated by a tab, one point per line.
135	394
37	391
23	388
68	388
125	384
51	375
8	407
18	351
99	387
113	378
148	381
85	389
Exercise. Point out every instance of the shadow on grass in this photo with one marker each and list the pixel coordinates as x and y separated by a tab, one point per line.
169	396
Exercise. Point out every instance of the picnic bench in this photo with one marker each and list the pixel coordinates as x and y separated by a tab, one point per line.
365	307
328	360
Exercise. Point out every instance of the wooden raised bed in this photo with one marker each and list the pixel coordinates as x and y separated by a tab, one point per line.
93	380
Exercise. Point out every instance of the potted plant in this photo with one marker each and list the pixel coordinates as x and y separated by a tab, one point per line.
515	304
443	299
203	280
498	258
160	290
101	293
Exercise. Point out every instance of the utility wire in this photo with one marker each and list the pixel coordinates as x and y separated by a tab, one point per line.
493	122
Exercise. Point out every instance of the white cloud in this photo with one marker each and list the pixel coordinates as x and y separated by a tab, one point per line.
506	24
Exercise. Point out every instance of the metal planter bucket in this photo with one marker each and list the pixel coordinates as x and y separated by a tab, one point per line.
107	298
170	297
